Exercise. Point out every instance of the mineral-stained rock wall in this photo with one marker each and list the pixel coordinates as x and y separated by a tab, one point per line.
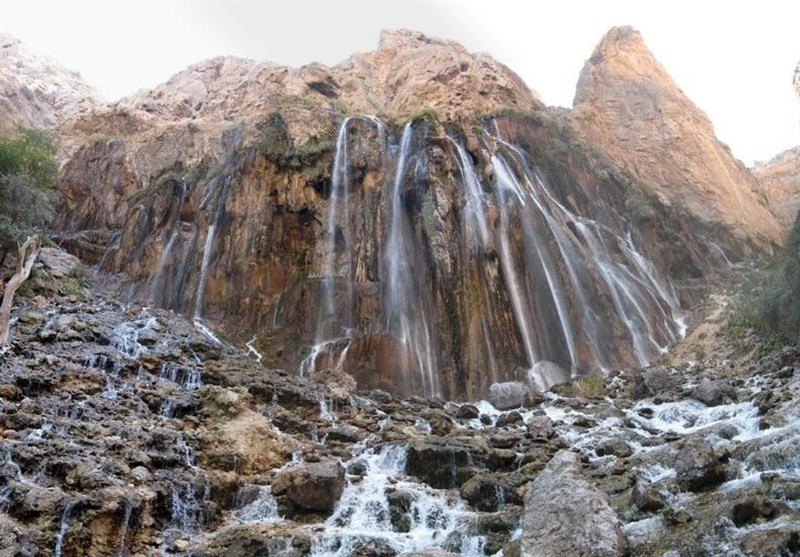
427	251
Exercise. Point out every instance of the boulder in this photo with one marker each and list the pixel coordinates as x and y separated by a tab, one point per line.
58	263
646	498
614	447
310	487
444	463
540	427
714	393
566	515
781	540
508	419
697	467
652	382
505	396
484	493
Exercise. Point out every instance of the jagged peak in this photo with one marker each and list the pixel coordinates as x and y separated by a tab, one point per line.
620	40
409	38
626	101
622	53
38	91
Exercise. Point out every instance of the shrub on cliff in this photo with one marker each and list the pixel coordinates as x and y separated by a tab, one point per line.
27	199
776	311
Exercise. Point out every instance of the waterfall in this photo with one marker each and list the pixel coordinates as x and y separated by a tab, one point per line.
157	285
577	295
338	202
335	317
208	247
407	315
201	284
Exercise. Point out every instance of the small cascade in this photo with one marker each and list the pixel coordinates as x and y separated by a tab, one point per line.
263	509
111	367
252	350
188	452
326	411
125	337
362	520
187	513
63	528
715	246
123	533
189	379
203	328
325	349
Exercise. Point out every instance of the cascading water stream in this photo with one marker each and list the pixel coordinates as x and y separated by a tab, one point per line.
335	318
338	202
157	285
571	287
407	315
542	258
363	514
208	248
63	528
126	519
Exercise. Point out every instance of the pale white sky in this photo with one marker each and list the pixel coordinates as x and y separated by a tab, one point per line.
734	59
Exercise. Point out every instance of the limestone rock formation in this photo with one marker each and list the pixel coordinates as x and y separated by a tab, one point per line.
566	515
627	105
37	92
239	192
780	180
409	72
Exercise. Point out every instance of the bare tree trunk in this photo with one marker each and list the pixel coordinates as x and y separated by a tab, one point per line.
26	255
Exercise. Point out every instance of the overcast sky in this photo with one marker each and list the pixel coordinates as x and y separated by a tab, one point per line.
734	59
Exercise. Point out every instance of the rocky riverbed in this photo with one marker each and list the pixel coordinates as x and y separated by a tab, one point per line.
132	431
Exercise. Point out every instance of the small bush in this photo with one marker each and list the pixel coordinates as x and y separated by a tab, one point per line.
775	311
591	386
27	198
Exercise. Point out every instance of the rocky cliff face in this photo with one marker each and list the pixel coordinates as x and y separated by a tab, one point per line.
37	92
780	179
481	241
627	105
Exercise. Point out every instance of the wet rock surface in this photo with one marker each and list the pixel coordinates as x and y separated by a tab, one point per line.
129	431
566	515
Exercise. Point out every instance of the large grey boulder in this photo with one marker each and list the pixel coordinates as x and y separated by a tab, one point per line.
714	393
697	467
566	515
58	263
511	394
